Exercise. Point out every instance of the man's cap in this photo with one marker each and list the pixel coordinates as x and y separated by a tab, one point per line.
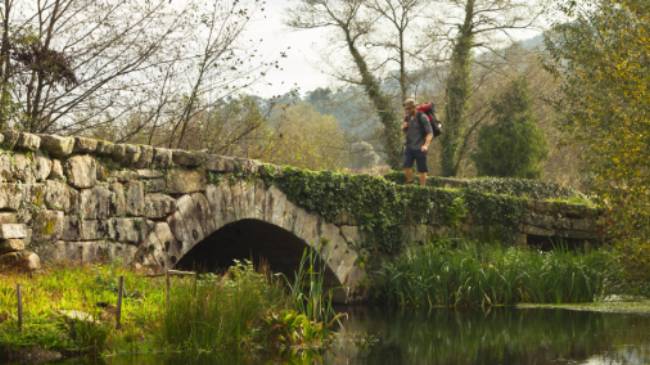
409	102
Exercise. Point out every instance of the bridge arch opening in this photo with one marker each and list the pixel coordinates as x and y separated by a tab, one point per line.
250	239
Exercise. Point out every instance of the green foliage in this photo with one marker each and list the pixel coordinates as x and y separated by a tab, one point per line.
469	274
514	145
218	314
382	208
525	188
307	290
238	315
601	59
379	207
300	136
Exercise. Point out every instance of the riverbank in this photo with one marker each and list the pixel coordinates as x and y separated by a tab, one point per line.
637	306
73	311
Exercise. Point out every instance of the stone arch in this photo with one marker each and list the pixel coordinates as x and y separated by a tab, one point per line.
198	215
251	239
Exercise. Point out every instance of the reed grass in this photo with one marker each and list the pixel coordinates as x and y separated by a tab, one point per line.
451	273
220	314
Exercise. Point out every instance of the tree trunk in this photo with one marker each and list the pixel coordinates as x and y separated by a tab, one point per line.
458	92
392	135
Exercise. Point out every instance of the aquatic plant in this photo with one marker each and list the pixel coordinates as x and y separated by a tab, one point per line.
454	273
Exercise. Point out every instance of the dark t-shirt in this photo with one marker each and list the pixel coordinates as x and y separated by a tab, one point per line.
417	131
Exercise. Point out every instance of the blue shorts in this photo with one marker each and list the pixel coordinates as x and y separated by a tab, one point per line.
418	156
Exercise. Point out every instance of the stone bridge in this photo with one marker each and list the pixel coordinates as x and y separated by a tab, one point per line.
75	199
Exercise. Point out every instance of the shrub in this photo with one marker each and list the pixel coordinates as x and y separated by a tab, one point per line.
513	145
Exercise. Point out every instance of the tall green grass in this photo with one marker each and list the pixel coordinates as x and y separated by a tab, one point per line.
220	313
246	312
307	290
469	274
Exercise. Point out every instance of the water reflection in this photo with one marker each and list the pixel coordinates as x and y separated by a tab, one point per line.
504	336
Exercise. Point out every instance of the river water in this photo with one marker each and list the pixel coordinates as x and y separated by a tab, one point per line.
445	337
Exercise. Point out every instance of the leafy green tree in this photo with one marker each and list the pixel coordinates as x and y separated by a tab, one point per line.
476	29
514	145
603	60
300	136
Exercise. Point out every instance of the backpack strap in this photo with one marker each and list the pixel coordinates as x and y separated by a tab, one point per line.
419	116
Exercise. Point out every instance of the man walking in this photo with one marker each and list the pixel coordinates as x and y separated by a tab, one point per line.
419	134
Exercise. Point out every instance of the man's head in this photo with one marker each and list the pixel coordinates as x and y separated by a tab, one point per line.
409	106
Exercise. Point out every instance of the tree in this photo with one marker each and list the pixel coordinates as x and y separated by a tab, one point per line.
481	20
513	146
86	66
355	21
302	137
601	58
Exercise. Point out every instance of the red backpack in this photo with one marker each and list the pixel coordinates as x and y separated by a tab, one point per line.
429	110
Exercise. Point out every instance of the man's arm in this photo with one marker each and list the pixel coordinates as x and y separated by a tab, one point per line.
429	132
427	141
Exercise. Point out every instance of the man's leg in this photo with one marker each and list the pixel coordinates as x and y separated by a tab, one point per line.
421	163
423	178
408	175
409	158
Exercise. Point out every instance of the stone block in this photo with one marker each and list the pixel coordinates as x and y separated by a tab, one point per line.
180	181
132	155
13	230
42	167
218	163
12	196
154	185
95	203
81	171
162	157
123	175
57	146
149	174
118	199
135	198
146	157
6	174
28	141
57	195
351	234
131	230
127	154
22	168
188	158
83	145
76	229
57	170
159	206
47	226
12	245
8	217
23	260
105	148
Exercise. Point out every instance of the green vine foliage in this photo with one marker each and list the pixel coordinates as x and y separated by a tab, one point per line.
382	208
526	188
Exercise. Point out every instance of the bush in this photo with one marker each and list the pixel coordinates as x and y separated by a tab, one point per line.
512	146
